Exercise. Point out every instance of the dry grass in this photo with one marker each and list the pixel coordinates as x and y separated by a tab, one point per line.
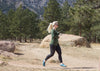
31	56
3	58
10	68
89	53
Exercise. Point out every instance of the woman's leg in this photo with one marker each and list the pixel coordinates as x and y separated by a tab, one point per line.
58	49
52	51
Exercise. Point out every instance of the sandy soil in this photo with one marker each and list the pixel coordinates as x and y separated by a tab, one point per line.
30	57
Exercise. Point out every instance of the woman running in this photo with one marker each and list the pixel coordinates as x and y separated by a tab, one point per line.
54	44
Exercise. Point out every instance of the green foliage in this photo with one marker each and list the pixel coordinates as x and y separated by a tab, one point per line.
84	19
52	11
3	26
18	24
64	22
43	29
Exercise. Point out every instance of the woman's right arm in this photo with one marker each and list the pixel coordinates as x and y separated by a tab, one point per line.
53	33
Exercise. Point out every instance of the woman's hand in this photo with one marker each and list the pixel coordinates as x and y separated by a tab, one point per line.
60	34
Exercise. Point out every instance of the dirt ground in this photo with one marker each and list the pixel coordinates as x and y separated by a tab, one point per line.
30	57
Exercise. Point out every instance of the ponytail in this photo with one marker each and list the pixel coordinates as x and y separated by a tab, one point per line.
50	27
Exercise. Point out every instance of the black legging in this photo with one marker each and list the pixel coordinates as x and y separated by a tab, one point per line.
54	48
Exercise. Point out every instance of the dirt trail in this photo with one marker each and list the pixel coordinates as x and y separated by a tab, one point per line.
31	56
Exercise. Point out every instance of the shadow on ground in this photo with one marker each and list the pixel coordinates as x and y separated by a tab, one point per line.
19	53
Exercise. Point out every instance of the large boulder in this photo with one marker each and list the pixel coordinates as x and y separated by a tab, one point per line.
66	40
7	46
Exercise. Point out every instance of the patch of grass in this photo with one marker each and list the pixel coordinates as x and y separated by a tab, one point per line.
4	58
3	64
54	61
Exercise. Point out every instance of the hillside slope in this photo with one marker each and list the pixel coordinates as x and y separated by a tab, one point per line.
35	5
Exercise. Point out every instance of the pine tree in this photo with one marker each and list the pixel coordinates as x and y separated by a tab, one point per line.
25	22
33	26
52	11
42	29
83	18
3	26
10	22
64	23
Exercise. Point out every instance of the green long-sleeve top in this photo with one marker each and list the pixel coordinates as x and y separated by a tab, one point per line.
54	37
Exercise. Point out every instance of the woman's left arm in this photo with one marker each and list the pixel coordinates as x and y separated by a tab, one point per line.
58	33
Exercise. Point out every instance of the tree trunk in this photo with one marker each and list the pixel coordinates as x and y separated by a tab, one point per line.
20	39
90	37
95	38
15	38
79	29
31	39
25	39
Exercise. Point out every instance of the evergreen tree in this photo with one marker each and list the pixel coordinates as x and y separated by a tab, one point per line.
42	29
33	25
3	26
83	18
52	11
11	24
64	23
26	23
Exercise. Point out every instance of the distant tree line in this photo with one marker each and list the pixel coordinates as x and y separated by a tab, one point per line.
82	20
21	24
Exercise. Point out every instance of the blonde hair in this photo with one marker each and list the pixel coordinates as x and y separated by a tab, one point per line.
50	27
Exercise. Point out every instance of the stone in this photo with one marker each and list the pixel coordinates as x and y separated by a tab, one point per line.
67	40
7	46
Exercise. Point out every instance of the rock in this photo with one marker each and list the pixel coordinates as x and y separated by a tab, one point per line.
7	54
4	55
67	40
7	46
